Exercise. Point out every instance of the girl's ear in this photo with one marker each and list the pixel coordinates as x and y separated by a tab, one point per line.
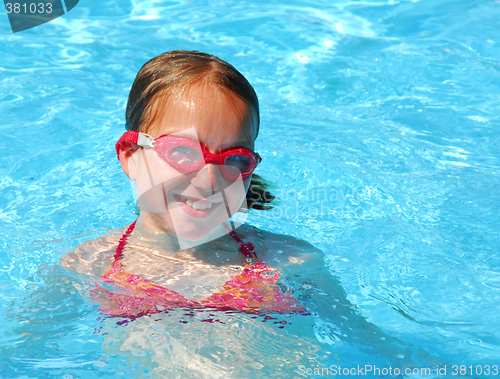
128	159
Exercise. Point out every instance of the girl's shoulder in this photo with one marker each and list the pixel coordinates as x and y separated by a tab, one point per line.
93	257
299	261
280	250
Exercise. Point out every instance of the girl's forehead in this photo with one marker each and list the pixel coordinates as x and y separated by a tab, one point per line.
219	119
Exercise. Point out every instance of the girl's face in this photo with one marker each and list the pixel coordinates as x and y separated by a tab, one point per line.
190	205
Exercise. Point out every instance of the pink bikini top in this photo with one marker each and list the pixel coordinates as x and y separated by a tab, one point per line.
255	290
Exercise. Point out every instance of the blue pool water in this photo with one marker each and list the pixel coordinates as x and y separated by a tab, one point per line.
380	130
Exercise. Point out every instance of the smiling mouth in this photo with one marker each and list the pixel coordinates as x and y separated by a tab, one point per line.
196	205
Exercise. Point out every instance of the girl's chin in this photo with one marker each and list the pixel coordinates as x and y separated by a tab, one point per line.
182	229
186	229
191	232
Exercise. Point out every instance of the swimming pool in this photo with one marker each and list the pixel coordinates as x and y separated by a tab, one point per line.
380	131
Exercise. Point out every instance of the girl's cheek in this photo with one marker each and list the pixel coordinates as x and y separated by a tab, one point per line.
160	172
155	179
246	182
236	193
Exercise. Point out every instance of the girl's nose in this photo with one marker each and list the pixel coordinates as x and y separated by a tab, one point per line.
206	179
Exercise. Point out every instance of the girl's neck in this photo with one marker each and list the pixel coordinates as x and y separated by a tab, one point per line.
170	243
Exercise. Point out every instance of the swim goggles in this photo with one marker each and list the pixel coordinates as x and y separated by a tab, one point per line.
186	155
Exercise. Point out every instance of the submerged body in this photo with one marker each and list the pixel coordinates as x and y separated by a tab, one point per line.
179	288
253	290
147	279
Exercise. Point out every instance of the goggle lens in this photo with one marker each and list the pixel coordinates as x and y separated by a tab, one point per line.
239	164
183	155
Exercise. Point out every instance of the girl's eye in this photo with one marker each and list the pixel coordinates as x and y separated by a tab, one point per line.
185	155
238	164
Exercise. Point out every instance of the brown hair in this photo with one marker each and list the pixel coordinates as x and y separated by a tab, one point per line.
178	70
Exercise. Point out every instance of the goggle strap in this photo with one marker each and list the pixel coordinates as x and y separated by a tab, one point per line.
138	138
145	140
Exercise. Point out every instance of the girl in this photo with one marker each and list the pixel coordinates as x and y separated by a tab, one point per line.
192	121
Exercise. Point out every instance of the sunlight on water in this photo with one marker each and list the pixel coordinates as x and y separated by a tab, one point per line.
379	131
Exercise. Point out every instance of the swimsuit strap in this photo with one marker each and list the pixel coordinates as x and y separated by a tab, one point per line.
123	241
246	248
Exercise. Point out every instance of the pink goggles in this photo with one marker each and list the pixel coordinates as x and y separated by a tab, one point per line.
186	155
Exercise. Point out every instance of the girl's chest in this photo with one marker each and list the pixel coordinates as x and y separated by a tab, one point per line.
189	277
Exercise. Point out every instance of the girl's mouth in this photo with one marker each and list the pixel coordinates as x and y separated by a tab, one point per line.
195	204
196	208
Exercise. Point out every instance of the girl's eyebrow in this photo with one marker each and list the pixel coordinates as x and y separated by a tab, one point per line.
180	135
233	145
238	144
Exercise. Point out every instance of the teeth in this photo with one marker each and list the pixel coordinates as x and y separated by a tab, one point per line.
195	205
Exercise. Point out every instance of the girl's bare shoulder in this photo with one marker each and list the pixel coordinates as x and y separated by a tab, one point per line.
93	257
284	250
301	262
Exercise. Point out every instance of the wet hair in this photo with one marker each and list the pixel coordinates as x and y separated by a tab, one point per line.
259	194
176	71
